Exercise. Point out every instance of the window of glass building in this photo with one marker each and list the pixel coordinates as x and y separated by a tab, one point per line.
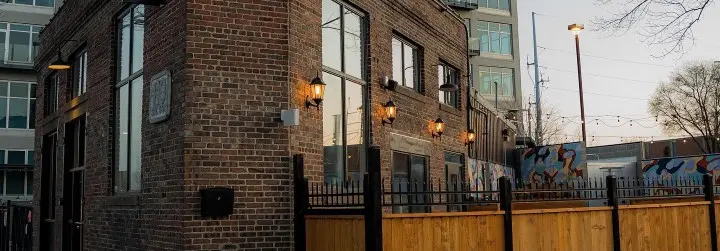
405	63
344	131
495	38
15	182
129	95
17	105
495	4
41	3
19	43
505	79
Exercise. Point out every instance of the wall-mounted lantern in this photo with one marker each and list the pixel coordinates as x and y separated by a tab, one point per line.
388	84
390	113
317	92
59	63
471	136
439	128
448	86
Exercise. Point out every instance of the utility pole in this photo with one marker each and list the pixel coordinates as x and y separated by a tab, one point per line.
538	110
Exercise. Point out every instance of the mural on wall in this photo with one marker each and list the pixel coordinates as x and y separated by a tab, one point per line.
475	175
681	167
554	163
477	171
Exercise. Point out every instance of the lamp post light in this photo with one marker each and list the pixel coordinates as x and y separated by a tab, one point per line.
575	29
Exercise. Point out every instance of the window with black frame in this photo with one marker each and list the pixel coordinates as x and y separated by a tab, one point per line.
52	88
79	79
454	178
344	114
405	58
448	74
409	178
128	97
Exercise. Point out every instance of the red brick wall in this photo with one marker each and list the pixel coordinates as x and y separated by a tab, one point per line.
149	220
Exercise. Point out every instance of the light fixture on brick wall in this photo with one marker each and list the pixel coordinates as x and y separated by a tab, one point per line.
390	113
146	2
59	63
471	136
448	86
439	128
388	84
317	92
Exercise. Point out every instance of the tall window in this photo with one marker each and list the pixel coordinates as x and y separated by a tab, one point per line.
79	74
129	94
16	183
52	88
409	174
495	4
344	130
17	105
495	38
448	74
43	3
505	79
405	63
18	43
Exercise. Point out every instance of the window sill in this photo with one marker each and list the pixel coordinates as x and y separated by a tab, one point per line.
410	93
125	199
450	109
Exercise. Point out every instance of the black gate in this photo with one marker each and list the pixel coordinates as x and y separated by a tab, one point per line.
16	231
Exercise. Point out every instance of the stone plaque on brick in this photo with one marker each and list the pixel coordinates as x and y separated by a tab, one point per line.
159	103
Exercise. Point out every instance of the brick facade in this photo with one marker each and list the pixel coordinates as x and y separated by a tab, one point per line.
235	65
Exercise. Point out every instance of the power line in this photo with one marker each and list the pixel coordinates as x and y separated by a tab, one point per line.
611	59
601	76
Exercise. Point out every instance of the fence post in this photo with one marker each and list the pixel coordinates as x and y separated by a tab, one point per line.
612	196
301	202
708	185
372	201
506	205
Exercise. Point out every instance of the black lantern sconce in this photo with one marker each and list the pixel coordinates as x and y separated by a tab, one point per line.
59	63
388	84
317	92
439	128
448	86
390	113
471	136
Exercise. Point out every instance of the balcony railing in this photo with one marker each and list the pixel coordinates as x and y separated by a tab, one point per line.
463	4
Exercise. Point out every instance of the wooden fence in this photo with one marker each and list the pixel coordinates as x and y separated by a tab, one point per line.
666	227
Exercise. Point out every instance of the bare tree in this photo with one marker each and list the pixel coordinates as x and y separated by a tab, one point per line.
689	103
662	22
552	130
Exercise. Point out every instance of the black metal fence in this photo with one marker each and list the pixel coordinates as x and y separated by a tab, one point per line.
16	230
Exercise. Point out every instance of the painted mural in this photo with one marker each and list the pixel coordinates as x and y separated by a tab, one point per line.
475	174
681	167
477	171
554	163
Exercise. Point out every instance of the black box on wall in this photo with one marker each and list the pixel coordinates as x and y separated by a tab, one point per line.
216	201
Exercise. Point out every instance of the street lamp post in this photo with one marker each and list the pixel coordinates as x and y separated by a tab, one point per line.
575	29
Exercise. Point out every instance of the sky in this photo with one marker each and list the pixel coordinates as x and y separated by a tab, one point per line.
620	73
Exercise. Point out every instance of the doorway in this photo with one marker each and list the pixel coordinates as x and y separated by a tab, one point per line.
74	192
47	188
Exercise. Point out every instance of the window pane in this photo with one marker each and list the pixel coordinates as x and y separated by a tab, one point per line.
397	61
494	42
18	113
504	5
508	84
3	112
31	158
3	89
493	4
19	27
121	170
417	174
16	157
15	182
333	129
441	81
331	34
353	45
31	116
35	43
2	157
2	45
400	178
506	44
484	41
483	3
355	127
84	72
138	37
409	55
125	47
484	78
2	182
32	90
46	3
19	90
19	46
136	133
29	175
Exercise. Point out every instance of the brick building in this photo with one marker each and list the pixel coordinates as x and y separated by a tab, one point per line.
121	172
